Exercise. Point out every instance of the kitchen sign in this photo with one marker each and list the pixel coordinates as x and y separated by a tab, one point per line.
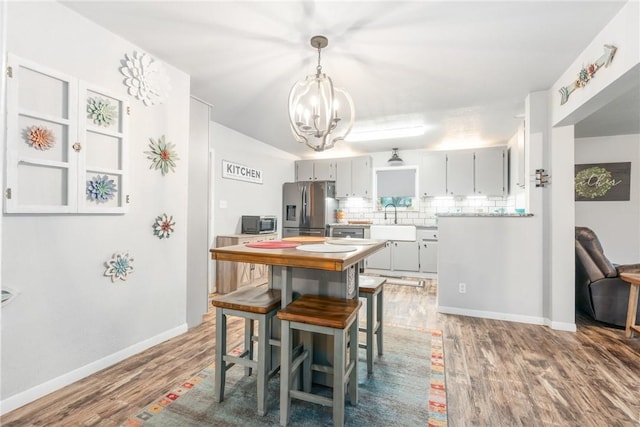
231	170
603	182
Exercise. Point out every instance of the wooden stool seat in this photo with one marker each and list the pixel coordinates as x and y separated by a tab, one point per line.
338	318
254	300
372	289
253	304
321	311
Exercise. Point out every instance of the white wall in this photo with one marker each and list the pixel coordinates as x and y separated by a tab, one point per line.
69	320
198	219
246	198
617	224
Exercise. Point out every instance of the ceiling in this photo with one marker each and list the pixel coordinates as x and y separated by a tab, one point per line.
461	68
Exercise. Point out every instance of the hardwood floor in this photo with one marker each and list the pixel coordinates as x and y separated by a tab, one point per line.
497	373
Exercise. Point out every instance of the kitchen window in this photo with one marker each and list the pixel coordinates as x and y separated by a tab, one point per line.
397	186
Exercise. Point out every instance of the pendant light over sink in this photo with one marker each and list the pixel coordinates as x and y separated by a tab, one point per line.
319	113
395	159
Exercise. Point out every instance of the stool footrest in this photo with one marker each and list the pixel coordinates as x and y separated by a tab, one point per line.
322	368
232	360
313	398
298	360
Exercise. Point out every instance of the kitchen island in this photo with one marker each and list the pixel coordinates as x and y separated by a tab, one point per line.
320	273
331	274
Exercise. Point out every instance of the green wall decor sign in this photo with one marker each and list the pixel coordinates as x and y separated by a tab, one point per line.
604	182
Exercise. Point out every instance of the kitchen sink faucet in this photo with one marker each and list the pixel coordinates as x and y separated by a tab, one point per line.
395	212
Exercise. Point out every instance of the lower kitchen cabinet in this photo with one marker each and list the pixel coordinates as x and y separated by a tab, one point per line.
233	275
400	256
428	241
380	260
429	257
405	256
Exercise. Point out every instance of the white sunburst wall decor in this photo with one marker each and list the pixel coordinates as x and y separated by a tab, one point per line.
145	78
120	266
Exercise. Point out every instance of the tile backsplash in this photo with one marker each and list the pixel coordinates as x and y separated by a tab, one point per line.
424	213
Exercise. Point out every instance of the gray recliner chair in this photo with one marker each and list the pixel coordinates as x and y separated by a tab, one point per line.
599	290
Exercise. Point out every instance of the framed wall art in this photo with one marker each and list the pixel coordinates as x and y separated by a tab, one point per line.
603	182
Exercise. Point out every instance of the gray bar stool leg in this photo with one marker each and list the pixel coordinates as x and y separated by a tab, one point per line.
248	342
353	355
285	373
370	332
379	333
339	339
264	334
221	350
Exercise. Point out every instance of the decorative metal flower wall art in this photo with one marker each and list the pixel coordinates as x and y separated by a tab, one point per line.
145	78
101	111
101	189
40	138
162	155
163	226
120	266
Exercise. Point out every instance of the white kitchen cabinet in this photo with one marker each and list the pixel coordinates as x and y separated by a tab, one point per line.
396	256
405	256
517	159
433	174
316	170
490	171
428	241
353	177
460	173
380	260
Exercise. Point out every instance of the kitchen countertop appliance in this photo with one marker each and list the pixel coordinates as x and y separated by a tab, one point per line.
308	208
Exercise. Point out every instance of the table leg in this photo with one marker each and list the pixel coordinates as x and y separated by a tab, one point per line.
632	310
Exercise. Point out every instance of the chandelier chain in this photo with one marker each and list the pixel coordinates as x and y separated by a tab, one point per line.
319	67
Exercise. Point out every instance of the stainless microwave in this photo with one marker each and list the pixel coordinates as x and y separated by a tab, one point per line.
258	224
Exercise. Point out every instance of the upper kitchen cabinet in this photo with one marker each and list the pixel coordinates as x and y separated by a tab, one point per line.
433	174
481	172
316	170
353	177
490	172
517	158
460	173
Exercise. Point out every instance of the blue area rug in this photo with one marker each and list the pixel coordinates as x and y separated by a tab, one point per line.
406	388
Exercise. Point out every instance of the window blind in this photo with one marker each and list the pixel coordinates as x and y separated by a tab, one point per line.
396	183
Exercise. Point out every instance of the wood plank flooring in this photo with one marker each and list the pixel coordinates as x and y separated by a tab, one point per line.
497	373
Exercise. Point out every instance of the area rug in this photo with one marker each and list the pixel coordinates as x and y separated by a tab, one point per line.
407	388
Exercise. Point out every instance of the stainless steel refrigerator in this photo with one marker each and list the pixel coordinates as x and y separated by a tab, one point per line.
308	208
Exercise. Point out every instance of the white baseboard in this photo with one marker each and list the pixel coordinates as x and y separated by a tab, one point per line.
561	326
34	393
492	315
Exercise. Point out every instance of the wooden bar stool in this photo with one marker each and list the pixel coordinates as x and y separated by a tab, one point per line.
372	288
335	317
250	303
